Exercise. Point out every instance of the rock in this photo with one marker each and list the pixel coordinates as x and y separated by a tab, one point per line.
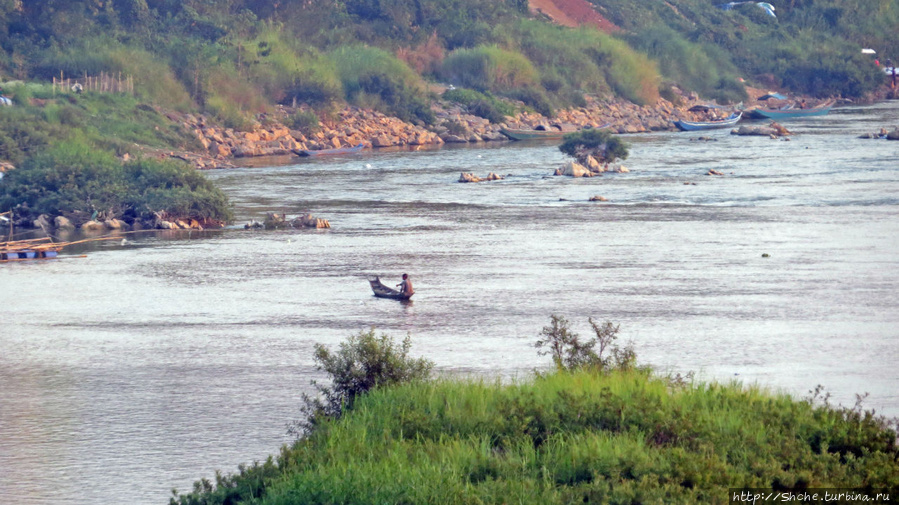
598	198
381	141
275	220
469	177
253	225
454	139
63	223
93	226
309	221
594	165
162	224
220	150
574	169
712	171
42	222
893	135
116	224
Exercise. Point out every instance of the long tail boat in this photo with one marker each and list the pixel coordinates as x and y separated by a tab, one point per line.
708	125
382	291
792	111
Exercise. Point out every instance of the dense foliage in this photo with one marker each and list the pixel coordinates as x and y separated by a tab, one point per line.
76	179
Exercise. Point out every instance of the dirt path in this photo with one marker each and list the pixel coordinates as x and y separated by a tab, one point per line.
572	13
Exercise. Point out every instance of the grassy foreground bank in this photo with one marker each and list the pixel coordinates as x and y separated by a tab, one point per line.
585	436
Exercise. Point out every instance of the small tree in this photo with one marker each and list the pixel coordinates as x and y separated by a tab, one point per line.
570	353
362	363
599	144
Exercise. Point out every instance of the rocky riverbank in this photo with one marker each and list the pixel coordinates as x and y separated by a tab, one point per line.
351	126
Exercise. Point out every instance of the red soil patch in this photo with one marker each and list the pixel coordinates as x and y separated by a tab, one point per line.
572	13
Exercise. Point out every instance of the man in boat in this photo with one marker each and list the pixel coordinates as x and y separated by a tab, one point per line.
406	286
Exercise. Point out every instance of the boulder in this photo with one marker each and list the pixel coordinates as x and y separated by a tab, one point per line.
42	222
454	139
162	224
598	198
893	135
63	223
469	177
574	169
116	224
93	226
382	141
309	221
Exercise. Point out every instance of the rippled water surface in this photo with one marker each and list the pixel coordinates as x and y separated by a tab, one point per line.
147	365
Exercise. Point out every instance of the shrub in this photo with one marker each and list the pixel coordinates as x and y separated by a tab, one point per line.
373	77
570	353
489	68
600	144
175	189
304	120
362	363
535	98
481	104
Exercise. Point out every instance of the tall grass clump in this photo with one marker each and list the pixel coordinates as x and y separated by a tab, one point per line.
489	68
595	430
376	78
483	105
703	68
572	437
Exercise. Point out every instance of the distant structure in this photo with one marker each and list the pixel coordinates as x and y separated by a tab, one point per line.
762	5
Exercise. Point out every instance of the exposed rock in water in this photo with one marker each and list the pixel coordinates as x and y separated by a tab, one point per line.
773	130
598	198
274	220
470	177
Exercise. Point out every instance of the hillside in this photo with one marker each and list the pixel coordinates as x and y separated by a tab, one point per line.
238	62
572	13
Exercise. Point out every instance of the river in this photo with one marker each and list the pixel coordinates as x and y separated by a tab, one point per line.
149	364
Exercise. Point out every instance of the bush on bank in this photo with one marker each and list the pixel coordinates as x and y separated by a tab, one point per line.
76	179
596	430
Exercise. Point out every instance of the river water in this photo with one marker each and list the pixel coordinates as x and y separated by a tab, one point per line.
149	364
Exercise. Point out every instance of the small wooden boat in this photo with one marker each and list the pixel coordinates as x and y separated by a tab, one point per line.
554	132
382	291
326	152
709	125
791	111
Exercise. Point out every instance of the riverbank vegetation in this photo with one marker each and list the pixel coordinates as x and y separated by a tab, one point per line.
81	183
596	429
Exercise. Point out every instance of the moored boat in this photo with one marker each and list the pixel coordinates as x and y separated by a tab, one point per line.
382	291
792	111
554	132
325	152
709	125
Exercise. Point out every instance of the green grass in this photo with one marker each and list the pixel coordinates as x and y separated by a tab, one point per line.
620	437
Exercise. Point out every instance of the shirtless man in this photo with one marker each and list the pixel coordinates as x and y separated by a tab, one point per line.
406	286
